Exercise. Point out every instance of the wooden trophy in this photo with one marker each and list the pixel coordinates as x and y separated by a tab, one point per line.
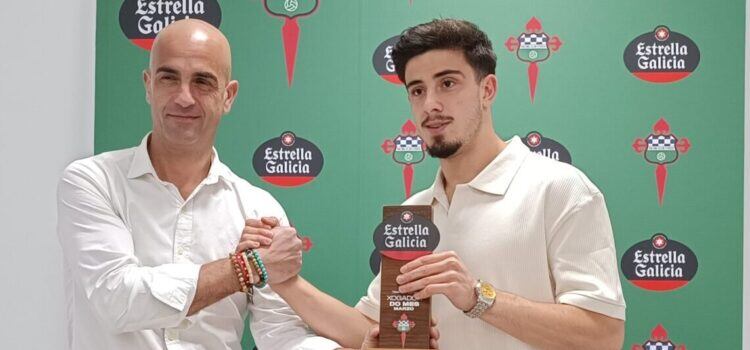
406	233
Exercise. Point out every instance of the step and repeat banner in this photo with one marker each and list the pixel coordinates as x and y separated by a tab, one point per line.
645	97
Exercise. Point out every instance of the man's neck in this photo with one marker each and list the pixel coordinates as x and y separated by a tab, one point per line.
183	167
470	161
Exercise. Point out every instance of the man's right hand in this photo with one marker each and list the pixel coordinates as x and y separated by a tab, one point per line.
279	247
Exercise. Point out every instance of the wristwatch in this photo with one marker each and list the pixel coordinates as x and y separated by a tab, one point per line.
485	298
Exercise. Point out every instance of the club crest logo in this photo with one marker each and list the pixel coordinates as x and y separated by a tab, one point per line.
659	264
288	160
547	147
406	149
142	20
662	56
661	148
403	325
533	46
659	341
383	62
290	11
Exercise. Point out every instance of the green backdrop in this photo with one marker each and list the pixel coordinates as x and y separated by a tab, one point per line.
586	99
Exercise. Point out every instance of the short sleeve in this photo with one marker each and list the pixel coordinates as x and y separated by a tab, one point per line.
583	260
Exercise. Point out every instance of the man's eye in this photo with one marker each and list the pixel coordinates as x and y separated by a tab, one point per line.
449	83
204	83
168	78
416	92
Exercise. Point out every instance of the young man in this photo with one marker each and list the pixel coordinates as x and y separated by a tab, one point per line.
526	258
146	231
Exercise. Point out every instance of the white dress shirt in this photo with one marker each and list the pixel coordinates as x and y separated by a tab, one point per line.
530	226
133	248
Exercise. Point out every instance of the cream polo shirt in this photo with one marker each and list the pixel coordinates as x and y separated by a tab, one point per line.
530	226
133	248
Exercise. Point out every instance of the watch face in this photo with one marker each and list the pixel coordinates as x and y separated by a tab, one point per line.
488	291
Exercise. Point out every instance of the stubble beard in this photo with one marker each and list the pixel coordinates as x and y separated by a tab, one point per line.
443	149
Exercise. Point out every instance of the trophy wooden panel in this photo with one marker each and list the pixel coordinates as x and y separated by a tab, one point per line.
390	338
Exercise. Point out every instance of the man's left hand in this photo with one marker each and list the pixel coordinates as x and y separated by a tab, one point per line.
439	273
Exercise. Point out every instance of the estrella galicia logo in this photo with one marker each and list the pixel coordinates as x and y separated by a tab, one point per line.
383	62
659	264
662	56
288	160
547	147
406	236
141	20
659	340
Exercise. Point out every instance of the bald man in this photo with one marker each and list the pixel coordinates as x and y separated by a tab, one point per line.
146	231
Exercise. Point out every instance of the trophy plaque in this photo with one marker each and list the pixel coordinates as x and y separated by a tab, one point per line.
406	233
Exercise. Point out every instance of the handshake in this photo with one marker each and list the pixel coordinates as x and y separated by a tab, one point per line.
280	248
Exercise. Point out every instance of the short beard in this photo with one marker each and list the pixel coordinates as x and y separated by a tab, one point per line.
443	149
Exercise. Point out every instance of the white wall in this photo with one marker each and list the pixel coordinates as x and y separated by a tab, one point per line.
746	235
46	121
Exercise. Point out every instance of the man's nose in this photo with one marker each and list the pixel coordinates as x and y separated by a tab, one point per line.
185	96
432	102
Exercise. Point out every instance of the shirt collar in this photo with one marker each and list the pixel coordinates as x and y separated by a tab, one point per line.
496	177
141	164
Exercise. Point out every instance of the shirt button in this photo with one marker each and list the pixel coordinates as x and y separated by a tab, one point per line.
170	335
180	251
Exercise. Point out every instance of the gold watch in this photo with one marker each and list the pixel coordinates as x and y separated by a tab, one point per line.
485	298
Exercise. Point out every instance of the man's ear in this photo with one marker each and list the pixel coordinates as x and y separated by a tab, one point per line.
230	93
147	84
488	89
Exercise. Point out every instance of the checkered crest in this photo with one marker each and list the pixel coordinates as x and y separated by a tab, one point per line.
658	345
408	149
408	143
661	143
532	47
533	41
404	325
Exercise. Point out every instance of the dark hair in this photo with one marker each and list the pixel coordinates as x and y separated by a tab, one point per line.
446	34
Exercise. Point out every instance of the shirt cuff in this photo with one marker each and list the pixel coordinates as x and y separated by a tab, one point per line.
606	308
175	284
368	308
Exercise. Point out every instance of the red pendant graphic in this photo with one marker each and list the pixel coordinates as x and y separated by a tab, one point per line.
403	325
661	148
659	340
407	149
533	46
290	10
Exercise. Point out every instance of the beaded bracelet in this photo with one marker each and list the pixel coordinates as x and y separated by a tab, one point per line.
257	262
249	277
249	268
240	270
254	266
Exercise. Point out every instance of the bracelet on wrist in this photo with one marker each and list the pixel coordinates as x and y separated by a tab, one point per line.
240	270
260	268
